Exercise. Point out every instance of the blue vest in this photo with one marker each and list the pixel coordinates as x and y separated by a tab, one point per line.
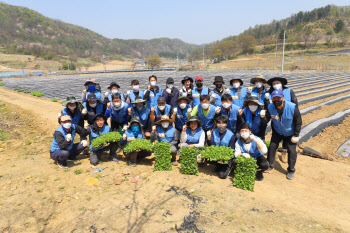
217	99
143	116
255	93
238	101
54	145
92	136
130	135
153	97
284	126
225	141
254	150
196	95
91	113
76	118
286	95
118	115
207	121
96	92
168	137
133	97
181	117
232	115
193	139
159	115
254	124
121	96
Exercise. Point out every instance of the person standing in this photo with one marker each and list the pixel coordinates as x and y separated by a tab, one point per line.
152	93
171	93
92	87
279	83
238	92
218	91
113	89
132	95
187	87
259	91
199	91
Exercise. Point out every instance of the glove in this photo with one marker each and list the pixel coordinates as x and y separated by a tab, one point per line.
59	115
68	137
209	135
106	93
154	128
84	143
128	92
213	95
249	89
246	155
227	90
252	137
189	110
267	95
217	110
294	139
262	113
199	158
124	136
125	128
174	110
168	90
86	125
189	91
84	111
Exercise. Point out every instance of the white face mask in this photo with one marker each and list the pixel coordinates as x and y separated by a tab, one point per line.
93	105
170	86
72	108
258	84
136	88
245	135
67	125
161	108
114	91
236	85
153	83
165	124
253	108
183	106
117	105
277	87
205	106
226	105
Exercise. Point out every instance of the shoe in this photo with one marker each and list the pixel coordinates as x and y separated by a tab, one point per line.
62	164
268	170
259	176
86	151
72	160
175	163
132	163
113	159
290	175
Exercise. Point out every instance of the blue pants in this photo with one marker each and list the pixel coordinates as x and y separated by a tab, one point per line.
63	155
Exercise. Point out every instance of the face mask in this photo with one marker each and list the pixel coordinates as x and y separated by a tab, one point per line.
117	105
153	84
245	135
67	125
114	91
161	108
258	84
199	85
236	85
277	87
135	88
135	128
170	86
139	108
226	105
183	106
277	103
93	105
221	128
253	108
72	108
92	88
218	85
165	124
205	106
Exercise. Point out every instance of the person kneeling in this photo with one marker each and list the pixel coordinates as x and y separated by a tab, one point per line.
249	145
223	137
62	148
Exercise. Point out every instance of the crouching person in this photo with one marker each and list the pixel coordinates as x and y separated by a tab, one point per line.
62	148
223	137
99	127
164	132
249	145
134	132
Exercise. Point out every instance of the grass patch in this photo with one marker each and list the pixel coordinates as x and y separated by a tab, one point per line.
1	84
63	101
4	135
54	100
77	172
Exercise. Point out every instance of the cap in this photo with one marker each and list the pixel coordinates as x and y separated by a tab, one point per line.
277	93
91	97
198	78
161	99
170	80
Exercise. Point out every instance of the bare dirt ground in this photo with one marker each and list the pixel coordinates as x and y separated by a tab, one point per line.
37	196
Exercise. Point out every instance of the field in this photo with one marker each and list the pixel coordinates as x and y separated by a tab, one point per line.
37	196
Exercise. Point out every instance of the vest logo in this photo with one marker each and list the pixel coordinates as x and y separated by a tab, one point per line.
180	116
151	95
234	97
162	135
277	118
131	138
195	95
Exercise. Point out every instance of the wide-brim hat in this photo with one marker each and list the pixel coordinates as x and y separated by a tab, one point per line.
218	79
258	77
113	84
134	120
139	100
183	98
90	80
194	118
70	100
164	118
236	78
100	115
252	99
282	80
187	78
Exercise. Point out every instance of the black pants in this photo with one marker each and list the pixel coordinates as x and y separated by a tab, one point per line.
95	155
291	149
115	125
224	170
133	156
262	163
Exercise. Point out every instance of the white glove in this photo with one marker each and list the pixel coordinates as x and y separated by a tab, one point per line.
199	158
84	143
59	114
124	136
227	90
213	95
249	89
106	93
84	111
267	95
217	110
174	110
246	155
252	137
189	110
168	90
262	113
154	128
189	91
86	125
128	92
209	135
125	128
294	139
68	137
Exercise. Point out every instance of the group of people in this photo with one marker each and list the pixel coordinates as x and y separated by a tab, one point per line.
193	116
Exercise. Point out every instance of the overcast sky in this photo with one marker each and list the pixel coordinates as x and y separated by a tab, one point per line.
193	21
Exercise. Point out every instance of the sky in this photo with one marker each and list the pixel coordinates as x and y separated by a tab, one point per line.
196	22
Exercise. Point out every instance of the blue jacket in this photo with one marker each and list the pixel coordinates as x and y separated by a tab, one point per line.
171	98
96	92
120	116
207	121
255	93
91	113
193	139
232	115
93	135
254	124
143	117
153	97
285	125
196	96
133	97
181	117
110	97
238	101
218	102
54	144
158	114
165	137
254	150
76	118
224	139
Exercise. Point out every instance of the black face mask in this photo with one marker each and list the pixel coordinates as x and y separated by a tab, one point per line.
199	85
221	127
277	103
218	85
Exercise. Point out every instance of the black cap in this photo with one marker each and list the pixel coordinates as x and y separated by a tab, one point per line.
161	99
218	79
170	80
113	84
100	115
91	97
186	78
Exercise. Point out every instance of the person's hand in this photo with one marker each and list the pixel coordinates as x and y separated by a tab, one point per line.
252	137
59	114
129	111
147	134
267	95
209	134
294	139
227	90
152	109
86	125
128	92
245	155
189	91
240	112
125	128
109	105
154	128
189	110
174	111
84	111
149	87
124	136
184	128
84	91
84	143
106	93
189	146
262	113
168	90
217	110
249	89
68	137
213	95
